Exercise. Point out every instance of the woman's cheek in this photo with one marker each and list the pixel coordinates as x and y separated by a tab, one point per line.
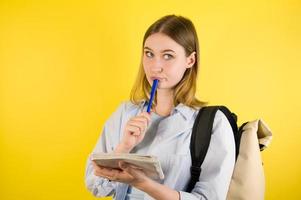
146	69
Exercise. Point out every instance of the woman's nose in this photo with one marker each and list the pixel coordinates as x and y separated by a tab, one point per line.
157	67
157	70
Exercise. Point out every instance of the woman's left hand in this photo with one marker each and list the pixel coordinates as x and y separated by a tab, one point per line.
126	174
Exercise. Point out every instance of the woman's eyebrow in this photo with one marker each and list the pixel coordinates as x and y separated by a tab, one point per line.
165	50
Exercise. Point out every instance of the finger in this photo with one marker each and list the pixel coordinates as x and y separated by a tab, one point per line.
120	176
121	164
103	175
133	171
123	177
101	168
133	129
142	120
107	172
124	165
138	124
111	176
143	115
137	127
95	165
146	115
100	171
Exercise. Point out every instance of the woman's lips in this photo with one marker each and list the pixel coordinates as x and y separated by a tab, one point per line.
159	78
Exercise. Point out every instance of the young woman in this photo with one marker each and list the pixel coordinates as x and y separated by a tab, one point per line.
171	55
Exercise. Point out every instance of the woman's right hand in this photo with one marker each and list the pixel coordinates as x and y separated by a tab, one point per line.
134	132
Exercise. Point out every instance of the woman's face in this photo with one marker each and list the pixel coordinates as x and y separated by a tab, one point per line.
164	59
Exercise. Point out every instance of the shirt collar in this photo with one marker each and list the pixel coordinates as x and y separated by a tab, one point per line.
185	111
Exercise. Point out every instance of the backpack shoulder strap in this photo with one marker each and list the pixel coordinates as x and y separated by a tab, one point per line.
200	140
201	136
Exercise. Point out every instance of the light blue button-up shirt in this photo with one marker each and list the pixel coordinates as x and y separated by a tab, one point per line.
171	145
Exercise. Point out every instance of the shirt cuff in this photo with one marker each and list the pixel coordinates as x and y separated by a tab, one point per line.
187	196
103	187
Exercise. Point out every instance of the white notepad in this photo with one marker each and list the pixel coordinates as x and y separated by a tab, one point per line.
149	164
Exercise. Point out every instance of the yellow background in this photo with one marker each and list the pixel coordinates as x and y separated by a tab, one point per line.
65	66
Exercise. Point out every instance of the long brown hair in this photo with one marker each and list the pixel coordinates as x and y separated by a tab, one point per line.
182	31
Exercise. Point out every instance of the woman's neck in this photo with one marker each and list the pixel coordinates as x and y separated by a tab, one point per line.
165	102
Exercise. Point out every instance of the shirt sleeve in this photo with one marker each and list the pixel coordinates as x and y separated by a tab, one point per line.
106	143
218	164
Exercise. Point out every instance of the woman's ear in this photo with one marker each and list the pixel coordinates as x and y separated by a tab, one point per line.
191	59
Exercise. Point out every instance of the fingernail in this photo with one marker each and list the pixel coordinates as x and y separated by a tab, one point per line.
123	166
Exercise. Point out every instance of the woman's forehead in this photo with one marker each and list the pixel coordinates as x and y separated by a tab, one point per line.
161	42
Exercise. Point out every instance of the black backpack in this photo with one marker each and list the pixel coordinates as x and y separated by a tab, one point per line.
201	135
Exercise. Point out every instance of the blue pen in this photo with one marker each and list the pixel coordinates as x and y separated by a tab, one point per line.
154	87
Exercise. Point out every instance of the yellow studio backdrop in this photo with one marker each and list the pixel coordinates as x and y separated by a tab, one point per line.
65	66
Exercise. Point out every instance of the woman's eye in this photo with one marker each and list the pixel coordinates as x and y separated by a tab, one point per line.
149	54
167	56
